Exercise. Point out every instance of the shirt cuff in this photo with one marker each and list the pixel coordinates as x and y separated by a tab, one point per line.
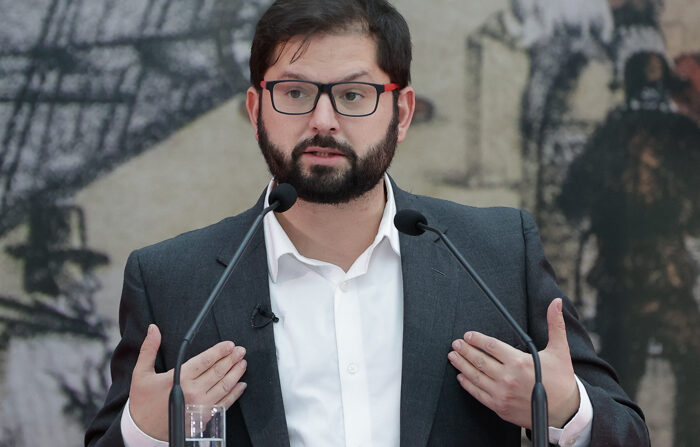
132	434
577	432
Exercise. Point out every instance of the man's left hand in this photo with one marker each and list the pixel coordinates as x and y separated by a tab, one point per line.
502	377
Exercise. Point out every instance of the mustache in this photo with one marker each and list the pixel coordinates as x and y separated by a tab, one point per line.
324	141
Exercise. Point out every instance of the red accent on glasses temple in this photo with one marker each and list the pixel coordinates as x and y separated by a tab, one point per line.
263	84
390	87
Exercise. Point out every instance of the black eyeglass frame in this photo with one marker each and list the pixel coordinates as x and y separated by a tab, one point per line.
326	88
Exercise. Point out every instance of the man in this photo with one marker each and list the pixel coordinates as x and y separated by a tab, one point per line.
381	339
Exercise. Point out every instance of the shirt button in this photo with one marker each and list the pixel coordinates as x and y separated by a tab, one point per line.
572	440
343	286
352	368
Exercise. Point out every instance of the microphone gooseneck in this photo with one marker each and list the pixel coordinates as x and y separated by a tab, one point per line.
413	223
281	198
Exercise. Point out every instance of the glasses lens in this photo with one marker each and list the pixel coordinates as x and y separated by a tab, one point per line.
294	96
352	98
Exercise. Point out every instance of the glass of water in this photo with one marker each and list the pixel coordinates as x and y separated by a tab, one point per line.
205	425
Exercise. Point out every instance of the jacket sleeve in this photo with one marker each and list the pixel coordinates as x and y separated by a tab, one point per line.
135	315
617	420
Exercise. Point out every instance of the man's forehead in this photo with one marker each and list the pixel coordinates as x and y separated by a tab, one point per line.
346	54
352	76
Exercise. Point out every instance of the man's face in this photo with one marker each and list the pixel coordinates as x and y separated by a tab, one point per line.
327	157
323	182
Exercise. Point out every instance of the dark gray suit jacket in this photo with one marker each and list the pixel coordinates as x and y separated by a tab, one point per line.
167	284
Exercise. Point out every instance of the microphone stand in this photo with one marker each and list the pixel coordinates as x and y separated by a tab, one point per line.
176	410
538	402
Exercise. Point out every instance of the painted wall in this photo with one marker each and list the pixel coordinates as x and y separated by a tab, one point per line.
122	124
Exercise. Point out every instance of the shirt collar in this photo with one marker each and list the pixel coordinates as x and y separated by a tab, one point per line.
278	244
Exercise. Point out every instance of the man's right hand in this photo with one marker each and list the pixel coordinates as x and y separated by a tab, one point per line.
211	377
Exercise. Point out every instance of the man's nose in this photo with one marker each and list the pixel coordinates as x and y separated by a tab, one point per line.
324	119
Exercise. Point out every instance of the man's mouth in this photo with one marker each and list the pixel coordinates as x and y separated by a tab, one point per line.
323	152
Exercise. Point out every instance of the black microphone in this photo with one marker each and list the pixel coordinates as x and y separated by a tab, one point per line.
281	199
413	223
262	316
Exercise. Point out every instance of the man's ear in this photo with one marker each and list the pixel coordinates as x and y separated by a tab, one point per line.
252	105
407	105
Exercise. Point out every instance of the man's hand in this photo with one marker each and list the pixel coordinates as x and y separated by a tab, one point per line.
211	377
501	377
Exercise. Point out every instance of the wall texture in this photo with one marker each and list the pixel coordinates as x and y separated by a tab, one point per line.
117	118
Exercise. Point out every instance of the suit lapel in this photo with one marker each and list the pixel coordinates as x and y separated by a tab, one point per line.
261	403
429	301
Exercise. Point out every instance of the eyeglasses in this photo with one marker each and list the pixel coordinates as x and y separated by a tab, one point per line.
348	98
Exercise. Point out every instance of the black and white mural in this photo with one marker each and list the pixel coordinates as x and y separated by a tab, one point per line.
85	86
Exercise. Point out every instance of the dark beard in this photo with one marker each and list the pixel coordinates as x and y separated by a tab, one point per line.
327	184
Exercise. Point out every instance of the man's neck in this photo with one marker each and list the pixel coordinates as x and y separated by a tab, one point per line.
337	234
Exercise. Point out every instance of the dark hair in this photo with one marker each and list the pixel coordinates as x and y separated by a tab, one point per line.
286	19
636	77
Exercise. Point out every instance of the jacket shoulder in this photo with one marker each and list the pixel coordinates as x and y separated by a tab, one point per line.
475	219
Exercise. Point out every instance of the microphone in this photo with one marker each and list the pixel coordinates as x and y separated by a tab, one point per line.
281	198
413	223
262	316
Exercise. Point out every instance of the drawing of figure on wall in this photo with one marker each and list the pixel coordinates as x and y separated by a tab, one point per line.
635	188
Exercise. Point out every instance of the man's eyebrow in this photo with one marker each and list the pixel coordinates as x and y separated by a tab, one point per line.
298	77
292	75
354	76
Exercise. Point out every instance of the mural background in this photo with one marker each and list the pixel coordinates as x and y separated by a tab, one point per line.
117	119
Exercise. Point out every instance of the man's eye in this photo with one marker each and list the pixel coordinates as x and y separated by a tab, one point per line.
352	96
295	94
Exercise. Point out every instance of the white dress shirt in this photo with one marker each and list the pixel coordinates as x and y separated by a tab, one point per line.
339	339
338	343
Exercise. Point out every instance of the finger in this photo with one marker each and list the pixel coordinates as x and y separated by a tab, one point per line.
219	370
477	359
145	363
494	347
556	327
474	375
228	382
478	393
200	363
234	395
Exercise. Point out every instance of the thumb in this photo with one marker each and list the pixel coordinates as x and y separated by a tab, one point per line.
149	348
556	326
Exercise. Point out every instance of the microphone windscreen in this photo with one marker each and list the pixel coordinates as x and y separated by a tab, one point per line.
285	194
406	221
